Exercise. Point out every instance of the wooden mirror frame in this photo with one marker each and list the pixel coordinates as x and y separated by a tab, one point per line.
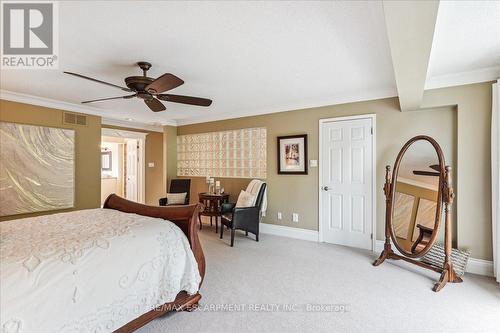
439	202
446	196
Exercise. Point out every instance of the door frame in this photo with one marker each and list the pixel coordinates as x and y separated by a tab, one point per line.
373	118
141	153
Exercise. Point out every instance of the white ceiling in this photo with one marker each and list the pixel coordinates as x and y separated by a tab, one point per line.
249	57
466	44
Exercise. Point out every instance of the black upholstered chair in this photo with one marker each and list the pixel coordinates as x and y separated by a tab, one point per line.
178	186
243	218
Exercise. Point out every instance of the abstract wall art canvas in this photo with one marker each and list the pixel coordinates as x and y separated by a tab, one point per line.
36	168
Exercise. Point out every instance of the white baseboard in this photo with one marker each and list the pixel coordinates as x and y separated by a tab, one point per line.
474	266
480	266
280	230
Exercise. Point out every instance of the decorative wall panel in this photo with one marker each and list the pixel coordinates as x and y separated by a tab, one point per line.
232	154
36	168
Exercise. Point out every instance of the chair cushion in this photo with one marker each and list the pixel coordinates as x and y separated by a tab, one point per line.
254	188
176	198
245	199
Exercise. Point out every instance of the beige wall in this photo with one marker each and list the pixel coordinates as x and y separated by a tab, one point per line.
87	151
154	177
170	153
110	186
473	175
458	118
444	120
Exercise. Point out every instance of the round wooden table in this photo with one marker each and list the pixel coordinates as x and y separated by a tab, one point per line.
212	204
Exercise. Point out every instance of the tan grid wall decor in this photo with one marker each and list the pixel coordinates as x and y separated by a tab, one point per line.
233	154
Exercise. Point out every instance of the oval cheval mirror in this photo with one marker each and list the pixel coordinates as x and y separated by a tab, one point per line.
417	195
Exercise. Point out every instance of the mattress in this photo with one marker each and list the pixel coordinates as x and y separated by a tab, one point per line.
90	270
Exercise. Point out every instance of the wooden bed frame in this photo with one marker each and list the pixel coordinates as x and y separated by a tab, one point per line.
185	217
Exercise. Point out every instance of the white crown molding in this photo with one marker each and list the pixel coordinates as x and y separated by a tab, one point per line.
459	79
46	102
131	124
119	133
334	100
474	266
66	106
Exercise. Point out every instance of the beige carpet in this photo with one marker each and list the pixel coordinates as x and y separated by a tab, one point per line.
257	278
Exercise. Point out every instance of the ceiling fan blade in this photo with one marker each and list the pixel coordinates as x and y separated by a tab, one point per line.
426	173
99	81
435	167
155	105
109	98
185	99
163	83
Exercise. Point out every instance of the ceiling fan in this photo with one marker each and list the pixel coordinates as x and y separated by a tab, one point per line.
150	90
429	173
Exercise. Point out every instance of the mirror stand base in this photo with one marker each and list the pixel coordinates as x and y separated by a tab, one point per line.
386	254
447	272
448	275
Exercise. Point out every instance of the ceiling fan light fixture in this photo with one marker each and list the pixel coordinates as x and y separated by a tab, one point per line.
147	88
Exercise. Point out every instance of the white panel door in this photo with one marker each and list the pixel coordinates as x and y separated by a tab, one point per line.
346	176
131	170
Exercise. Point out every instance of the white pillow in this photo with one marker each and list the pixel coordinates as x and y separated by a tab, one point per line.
176	198
245	199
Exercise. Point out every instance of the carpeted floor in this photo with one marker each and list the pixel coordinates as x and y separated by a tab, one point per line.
267	286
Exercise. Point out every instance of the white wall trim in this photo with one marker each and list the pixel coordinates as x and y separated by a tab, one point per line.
334	100
132	124
480	267
284	231
458	79
67	106
119	133
474	266
373	118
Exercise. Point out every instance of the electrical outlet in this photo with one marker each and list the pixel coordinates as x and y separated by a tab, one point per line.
280	216
151	164
295	217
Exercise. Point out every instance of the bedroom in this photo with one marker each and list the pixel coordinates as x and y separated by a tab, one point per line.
265	91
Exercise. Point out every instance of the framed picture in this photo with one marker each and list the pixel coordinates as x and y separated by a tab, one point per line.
292	155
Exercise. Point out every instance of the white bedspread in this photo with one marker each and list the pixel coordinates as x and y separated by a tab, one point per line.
90	270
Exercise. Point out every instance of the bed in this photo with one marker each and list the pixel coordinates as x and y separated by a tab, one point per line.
99	270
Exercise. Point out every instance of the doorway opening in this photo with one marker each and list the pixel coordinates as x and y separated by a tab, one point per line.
122	164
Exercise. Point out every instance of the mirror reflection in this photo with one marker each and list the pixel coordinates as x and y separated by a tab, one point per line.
415	197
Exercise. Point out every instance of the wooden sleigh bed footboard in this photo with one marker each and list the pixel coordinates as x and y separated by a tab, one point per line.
185	217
